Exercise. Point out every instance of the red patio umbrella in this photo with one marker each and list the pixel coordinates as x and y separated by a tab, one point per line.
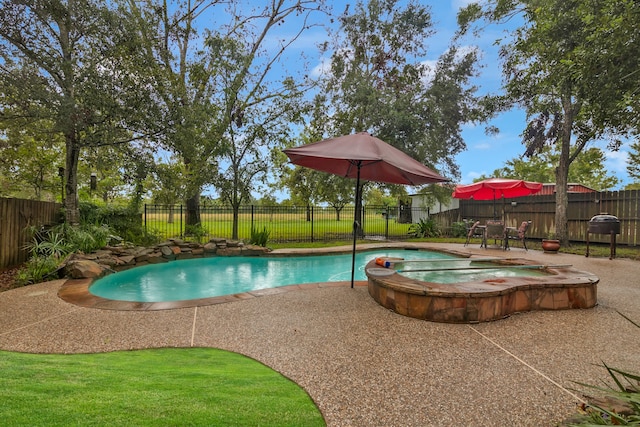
363	157
494	188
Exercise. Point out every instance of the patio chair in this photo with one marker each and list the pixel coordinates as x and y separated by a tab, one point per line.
519	234
495	230
474	230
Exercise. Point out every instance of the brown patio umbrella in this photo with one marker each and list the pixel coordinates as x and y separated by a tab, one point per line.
363	157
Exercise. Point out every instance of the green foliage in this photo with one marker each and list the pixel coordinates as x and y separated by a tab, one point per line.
48	248
459	229
124	221
101	108
49	243
381	85
150	237
38	269
195	231
557	68
588	168
88	238
424	228
259	238
633	167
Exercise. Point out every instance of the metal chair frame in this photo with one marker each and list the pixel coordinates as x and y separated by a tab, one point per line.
520	234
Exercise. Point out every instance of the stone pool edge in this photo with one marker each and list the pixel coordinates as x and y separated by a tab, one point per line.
483	301
76	291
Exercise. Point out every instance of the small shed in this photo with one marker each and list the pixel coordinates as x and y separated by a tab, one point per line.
422	207
550	188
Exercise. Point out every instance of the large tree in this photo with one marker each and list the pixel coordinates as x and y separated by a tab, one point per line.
219	88
69	62
379	81
548	71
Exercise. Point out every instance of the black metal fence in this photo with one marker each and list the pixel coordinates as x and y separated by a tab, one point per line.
284	223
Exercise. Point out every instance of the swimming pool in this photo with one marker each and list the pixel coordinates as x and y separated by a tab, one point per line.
218	276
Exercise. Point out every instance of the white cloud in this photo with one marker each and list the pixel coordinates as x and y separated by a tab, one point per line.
323	67
470	176
483	146
617	160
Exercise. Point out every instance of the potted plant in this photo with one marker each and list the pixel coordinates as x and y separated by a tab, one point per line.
551	245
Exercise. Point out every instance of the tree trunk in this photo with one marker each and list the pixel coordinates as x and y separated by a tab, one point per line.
171	215
236	217
562	173
193	199
71	205
193	210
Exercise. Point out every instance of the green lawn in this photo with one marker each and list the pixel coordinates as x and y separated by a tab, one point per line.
282	227
158	387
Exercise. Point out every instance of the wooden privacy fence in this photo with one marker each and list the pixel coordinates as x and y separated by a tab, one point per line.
541	211
15	216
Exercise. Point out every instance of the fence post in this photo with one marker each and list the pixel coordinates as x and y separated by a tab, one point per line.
145	219
312	224
363	216
181	232
251	217
386	223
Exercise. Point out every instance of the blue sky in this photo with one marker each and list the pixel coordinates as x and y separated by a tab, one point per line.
484	153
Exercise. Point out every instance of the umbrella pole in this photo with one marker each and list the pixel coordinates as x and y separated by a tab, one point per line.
494	205
355	226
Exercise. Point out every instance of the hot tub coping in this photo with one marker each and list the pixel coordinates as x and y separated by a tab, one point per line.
487	300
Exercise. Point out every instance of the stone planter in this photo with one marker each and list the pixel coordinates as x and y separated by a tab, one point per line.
550	246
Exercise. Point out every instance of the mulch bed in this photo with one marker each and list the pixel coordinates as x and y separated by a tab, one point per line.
7	278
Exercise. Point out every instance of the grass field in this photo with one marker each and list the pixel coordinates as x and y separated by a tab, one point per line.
282	227
159	387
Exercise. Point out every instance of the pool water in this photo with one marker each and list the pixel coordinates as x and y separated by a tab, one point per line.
465	272
217	276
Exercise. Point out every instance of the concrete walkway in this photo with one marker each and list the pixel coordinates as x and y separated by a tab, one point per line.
366	366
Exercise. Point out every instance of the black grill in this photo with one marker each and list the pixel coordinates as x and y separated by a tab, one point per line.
604	224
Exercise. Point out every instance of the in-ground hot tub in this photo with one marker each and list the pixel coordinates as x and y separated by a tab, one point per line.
481	299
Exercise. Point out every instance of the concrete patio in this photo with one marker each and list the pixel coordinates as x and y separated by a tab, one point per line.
364	365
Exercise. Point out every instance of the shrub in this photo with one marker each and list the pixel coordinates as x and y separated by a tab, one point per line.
124	221
459	229
195	231
49	243
424	228
37	269
48	249
88	238
259	238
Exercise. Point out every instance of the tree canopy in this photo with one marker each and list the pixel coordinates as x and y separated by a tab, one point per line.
588	169
69	64
377	79
548	71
